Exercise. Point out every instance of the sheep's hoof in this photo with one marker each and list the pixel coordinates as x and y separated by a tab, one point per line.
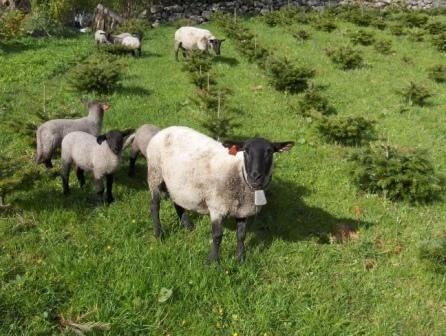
185	221
110	200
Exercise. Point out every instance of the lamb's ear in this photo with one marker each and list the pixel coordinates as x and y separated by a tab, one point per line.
105	106
101	138
283	146
127	132
230	144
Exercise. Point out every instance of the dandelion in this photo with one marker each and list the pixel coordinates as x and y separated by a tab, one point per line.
108	247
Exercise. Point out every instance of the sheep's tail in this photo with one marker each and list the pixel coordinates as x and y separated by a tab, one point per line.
129	140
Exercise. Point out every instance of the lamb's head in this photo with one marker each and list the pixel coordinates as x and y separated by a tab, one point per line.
115	139
216	45
258	159
96	107
139	35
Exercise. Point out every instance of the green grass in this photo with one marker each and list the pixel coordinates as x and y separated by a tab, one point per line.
64	256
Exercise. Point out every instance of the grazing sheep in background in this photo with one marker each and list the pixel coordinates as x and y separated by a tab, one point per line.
139	140
50	134
200	174
131	42
188	38
101	37
100	155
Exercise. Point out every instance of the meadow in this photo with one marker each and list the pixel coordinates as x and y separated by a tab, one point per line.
64	259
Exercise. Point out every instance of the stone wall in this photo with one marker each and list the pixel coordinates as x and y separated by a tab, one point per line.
201	11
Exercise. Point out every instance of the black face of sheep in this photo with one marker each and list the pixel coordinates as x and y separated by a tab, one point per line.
216	44
258	157
139	35
115	139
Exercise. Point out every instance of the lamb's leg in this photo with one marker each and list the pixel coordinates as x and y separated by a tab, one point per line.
109	179
155	211
99	188
217	235
241	234
184	52
80	176
132	163
184	219
66	167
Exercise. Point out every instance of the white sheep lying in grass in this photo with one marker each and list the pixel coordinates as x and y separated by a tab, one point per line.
50	134
100	155
200	174
101	37
139	140
188	38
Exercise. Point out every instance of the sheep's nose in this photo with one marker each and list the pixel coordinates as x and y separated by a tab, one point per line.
256	176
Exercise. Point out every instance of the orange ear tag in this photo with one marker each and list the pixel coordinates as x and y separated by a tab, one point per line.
233	150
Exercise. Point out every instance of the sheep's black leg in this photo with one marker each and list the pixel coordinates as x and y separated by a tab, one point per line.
184	52
139	52
99	187
155	211
217	235
109	195
241	234
65	177
132	163
48	163
80	176
184	219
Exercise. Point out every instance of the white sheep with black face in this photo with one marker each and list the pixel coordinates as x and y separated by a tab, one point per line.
101	155
187	38
139	141
201	175
50	134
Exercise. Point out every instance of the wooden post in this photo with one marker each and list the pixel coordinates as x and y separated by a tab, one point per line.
44	99
235	14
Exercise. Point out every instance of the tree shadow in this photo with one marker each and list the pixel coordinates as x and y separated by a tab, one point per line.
288	218
231	61
135	91
15	46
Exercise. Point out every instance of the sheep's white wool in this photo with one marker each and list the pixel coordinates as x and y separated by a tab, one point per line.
193	38
100	36
83	150
199	173
131	42
141	138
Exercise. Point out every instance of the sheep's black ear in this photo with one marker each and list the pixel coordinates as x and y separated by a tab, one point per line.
283	146
101	138
222	40
127	132
230	143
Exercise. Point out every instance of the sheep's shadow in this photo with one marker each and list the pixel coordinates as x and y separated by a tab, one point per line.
135	91
148	54
231	61
288	218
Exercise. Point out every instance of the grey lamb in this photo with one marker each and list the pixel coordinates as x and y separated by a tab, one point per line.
51	133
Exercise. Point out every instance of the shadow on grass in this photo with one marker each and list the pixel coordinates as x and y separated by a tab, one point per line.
15	46
231	61
288	218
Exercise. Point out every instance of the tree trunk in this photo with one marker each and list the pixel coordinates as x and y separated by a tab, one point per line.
105	18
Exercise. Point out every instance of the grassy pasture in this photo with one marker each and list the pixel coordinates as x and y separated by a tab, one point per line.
63	256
